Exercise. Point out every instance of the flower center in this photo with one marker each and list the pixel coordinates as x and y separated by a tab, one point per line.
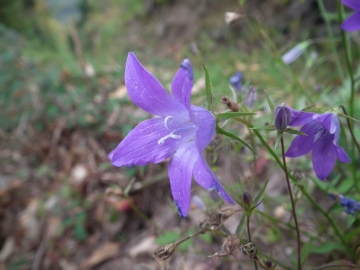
176	131
320	133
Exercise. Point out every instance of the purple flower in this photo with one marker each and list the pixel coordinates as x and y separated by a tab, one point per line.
350	206
352	23
235	80
250	97
282	117
182	131
323	132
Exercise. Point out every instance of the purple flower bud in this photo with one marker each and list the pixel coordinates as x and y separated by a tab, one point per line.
251	96
282	117
235	80
247	198
268	263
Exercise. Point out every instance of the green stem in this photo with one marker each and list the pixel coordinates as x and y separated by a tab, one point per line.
249	235
350	129
292	203
348	60
332	39
271	151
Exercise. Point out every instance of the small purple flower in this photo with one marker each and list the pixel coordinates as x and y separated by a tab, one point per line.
282	117
250	97
182	131
323	132
352	23
350	206
235	80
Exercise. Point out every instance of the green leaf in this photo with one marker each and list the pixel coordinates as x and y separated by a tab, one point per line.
228	115
308	108
223	132
324	186
327	248
264	128
346	116
167	238
258	197
345	186
208	89
337	265
294	131
241	226
271	105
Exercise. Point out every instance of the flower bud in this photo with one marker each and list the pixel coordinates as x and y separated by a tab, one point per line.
247	198
235	80
268	264
282	117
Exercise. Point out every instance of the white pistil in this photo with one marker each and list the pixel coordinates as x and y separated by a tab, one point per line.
166	122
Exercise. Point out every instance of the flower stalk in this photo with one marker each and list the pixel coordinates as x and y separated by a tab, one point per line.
292	205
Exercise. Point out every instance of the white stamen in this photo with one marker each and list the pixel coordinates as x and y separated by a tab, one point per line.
166	122
171	135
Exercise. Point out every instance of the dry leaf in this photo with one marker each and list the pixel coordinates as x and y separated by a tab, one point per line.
101	254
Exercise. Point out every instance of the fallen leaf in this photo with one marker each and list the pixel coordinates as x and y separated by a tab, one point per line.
101	254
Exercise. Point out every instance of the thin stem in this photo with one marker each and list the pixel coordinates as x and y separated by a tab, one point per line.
292	204
249	235
350	128
348	60
331	36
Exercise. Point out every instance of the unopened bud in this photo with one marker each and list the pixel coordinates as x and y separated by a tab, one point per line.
251	97
268	264
235	80
247	198
282	117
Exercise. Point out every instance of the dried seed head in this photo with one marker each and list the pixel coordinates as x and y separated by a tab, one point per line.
249	250
247	198
166	252
231	105
216	218
231	246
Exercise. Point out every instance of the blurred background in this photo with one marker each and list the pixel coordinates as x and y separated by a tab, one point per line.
64	107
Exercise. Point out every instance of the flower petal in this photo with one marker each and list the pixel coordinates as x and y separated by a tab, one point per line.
302	145
180	173
207	179
341	154
205	120
324	156
353	4
327	121
352	23
146	91
182	83
299	118
141	145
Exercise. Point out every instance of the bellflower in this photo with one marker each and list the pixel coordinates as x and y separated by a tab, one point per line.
236	80
182	131
323	132
352	23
